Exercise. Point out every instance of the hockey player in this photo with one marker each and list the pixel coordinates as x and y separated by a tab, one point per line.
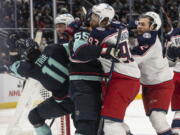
156	76
124	83
50	68
85	84
173	55
61	23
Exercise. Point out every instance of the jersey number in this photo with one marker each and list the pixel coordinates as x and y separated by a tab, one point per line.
61	68
81	36
124	53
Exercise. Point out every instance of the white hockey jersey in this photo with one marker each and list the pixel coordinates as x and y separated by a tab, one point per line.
148	54
127	65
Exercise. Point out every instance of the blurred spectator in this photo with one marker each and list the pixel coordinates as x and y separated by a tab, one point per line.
43	11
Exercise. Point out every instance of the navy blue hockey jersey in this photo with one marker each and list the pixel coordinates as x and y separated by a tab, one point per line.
80	69
50	69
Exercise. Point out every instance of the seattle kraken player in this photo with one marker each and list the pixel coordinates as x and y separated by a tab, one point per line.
61	23
85	84
173	55
50	68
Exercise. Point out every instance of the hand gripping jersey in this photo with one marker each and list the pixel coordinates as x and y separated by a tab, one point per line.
50	68
148	54
173	38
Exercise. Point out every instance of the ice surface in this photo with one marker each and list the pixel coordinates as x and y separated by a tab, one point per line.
135	118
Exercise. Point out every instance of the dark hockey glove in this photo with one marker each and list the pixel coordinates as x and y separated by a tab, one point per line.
11	41
29	49
108	51
173	53
73	27
13	37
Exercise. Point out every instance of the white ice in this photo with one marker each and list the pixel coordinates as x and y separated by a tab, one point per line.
135	118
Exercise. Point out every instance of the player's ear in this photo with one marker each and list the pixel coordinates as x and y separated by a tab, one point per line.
104	22
153	27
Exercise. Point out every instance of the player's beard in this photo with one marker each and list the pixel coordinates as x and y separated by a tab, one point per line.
140	31
94	24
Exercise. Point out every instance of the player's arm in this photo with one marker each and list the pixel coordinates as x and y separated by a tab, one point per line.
89	52
85	51
81	49
21	68
29	52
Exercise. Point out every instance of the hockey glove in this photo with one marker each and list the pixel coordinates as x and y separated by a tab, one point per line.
29	49
108	51
11	41
13	37
173	53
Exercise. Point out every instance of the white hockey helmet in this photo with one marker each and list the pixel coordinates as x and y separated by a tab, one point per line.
156	19
104	10
64	19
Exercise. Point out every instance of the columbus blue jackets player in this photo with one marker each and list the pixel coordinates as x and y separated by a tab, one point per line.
156	76
173	55
50	68
101	36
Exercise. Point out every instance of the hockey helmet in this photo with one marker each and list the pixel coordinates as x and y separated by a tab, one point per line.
64	19
104	10
156	19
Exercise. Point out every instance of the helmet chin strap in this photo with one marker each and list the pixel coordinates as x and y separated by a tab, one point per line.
154	26
103	25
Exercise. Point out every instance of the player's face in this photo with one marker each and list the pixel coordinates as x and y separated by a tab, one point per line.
143	25
94	22
60	28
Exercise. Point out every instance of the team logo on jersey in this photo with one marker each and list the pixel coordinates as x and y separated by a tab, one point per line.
146	35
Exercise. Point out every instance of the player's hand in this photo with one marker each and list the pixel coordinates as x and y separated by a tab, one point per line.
27	47
109	52
26	44
173	52
11	40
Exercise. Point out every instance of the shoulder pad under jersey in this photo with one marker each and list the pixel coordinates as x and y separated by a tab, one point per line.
147	38
117	24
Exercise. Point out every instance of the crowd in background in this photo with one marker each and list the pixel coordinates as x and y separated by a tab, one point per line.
43	11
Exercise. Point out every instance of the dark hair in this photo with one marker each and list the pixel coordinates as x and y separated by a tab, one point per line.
151	20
